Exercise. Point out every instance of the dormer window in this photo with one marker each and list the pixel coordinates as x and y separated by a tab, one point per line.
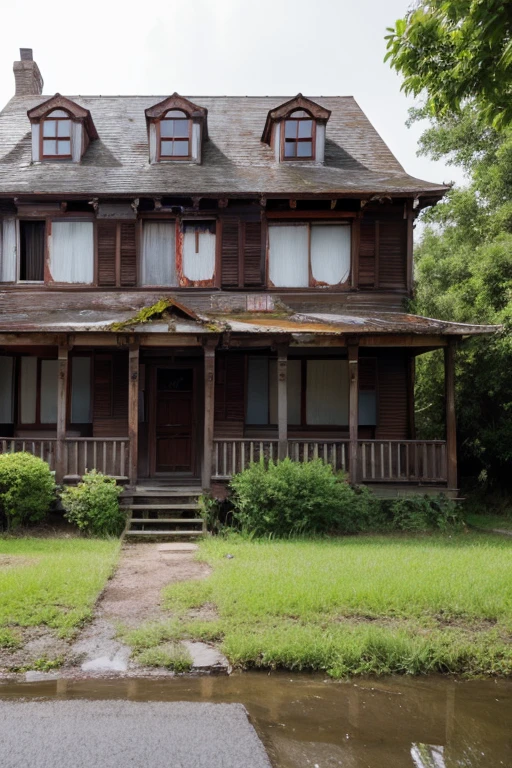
295	131
56	138
61	130
299	136
175	135
176	130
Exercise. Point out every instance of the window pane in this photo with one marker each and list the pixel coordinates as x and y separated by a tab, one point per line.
63	147
49	376
180	147
330	253
8	251
290	129
175	113
64	128
32	237
166	148
288	256
49	148
181	128
198	265
58	113
72	252
305	129
304	149
49	128
327	392
6	389
257	391
28	390
166	128
158	253
81	390
367	408
290	149
299	113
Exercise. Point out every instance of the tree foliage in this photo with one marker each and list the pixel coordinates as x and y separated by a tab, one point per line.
464	274
457	51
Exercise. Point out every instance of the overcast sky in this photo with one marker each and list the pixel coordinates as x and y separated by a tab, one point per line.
225	47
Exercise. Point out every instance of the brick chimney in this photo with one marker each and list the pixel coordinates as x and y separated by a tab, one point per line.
27	75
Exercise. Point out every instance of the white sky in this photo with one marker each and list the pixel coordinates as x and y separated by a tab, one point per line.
223	47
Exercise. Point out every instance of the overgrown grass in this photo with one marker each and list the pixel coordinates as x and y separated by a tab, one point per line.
170	655
374	604
502	522
55	582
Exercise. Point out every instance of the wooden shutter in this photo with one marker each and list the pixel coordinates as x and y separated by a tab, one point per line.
392	406
110	401
102	400
252	253
367	253
392	252
107	239
230	253
128	253
229	387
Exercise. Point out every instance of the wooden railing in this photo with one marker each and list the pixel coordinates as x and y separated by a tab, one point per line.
333	452
106	454
44	448
417	461
232	456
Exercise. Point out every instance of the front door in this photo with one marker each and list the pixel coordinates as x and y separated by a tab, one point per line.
174	422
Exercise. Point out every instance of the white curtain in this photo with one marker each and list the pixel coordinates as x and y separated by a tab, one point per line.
159	253
330	253
327	392
49	377
81	390
72	252
8	251
28	389
288	256
6	389
200	265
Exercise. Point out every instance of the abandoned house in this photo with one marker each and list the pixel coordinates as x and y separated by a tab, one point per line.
190	283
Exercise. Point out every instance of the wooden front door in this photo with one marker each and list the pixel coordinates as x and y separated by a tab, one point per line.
174	421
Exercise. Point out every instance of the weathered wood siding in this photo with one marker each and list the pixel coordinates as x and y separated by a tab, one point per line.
110	394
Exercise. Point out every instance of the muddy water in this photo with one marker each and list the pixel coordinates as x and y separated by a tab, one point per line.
305	721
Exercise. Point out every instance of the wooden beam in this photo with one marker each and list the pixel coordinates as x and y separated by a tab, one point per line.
353	408
62	405
451	435
209	409
133	411
282	400
410	249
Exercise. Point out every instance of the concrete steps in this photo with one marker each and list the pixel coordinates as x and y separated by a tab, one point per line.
164	513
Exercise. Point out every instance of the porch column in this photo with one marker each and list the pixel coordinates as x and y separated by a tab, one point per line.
353	408
62	406
451	435
282	400
209	405
133	411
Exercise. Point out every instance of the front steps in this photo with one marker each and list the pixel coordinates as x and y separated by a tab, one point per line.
165	513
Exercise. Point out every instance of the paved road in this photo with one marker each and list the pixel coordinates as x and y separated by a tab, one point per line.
122	734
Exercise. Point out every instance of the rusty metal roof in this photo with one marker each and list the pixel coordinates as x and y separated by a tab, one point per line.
235	162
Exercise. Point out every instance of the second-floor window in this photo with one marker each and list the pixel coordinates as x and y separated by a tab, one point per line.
56	135
178	257
174	139
299	135
309	254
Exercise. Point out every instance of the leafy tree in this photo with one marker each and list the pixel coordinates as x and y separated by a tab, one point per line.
457	51
464	273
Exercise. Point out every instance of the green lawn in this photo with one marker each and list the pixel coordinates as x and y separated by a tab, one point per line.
355	605
502	522
52	582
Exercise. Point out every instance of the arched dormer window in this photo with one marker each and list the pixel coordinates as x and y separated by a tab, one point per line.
174	135
299	136
56	135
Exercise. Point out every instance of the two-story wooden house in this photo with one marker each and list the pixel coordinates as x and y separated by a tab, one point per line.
190	283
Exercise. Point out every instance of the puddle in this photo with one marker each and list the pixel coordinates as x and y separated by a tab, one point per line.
306	721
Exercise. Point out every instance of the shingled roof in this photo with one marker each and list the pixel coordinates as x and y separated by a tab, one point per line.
235	162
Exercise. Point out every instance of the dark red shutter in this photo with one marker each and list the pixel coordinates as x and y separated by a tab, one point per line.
392	406
252	254
128	253
367	253
392	252
107	252
229	253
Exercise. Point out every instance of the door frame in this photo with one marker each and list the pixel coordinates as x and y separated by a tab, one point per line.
193	365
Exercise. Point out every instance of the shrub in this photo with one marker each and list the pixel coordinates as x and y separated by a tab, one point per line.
27	488
93	505
423	513
289	498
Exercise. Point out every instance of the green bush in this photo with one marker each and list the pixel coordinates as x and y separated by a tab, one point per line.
27	489
93	505
289	498
423	513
